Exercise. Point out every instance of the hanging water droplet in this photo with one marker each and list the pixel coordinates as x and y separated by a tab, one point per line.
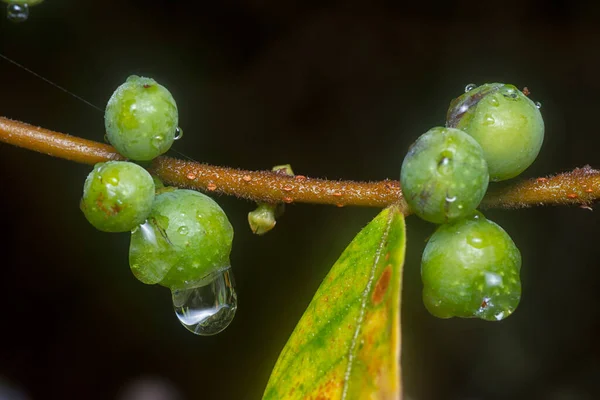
17	12
207	307
538	105
178	133
470	87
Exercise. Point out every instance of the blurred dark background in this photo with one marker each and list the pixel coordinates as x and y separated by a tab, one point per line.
339	90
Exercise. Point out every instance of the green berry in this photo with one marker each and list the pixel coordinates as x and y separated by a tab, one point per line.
444	176
506	123
471	268
141	119
187	237
117	196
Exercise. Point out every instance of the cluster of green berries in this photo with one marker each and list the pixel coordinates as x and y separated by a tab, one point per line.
471	266
178	237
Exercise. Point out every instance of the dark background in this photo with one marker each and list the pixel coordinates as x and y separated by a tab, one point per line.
339	90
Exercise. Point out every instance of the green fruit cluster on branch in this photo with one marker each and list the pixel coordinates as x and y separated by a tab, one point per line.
470	266
178	237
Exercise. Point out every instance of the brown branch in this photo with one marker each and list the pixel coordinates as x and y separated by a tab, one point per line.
579	187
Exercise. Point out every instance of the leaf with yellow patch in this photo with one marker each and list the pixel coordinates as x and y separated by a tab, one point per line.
347	344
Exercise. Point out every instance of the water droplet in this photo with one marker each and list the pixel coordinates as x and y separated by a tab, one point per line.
157	141
450	199
183	230
492	279
178	133
488	120
494	101
499	316
476	241
470	87
445	165
538	105
207	307
17	12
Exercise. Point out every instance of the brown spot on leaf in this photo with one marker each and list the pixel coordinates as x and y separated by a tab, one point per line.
382	285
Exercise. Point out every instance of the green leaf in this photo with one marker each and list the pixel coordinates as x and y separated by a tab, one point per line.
347	344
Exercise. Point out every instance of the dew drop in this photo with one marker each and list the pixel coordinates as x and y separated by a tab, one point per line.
538	105
445	165
183	230
207	307
475	241
488	120
17	12
470	87
178	133
450	199
494	101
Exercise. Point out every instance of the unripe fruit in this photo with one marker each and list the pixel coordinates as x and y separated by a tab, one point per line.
117	196
141	119
506	123
471	268
444	176
187	237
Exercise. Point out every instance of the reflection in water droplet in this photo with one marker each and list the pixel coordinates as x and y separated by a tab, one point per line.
17	12
207	307
470	87
149	253
450	199
178	133
538	105
494	101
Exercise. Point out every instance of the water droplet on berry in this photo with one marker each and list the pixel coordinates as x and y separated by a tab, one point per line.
450	199
445	165
178	133
476	241
208	306
494	101
17	12
183	230
470	87
499	316
488	120
538	105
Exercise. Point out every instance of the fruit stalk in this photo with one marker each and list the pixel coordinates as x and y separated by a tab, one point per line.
579	187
